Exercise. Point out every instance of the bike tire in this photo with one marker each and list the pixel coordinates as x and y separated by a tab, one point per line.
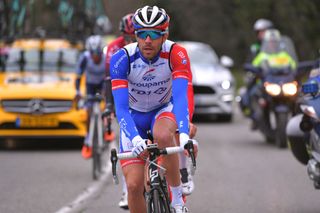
96	156
281	137
158	202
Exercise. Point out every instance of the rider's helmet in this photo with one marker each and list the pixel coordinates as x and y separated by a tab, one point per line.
151	17
94	46
126	25
262	24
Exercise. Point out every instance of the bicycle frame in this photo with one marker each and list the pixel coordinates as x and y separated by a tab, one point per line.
96	136
157	197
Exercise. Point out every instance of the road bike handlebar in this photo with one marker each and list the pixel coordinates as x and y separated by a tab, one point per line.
154	149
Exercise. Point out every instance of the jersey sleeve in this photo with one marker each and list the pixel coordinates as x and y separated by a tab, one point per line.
113	47
81	66
119	67
180	65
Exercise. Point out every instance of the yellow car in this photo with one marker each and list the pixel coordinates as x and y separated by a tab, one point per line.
37	79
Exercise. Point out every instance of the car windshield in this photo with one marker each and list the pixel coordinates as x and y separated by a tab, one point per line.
201	54
63	60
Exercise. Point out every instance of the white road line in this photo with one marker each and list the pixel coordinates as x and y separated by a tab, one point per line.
91	192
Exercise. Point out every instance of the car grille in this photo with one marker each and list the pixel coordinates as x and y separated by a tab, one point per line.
36	106
62	125
203	90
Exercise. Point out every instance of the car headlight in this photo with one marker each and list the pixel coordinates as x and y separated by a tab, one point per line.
290	89
226	84
272	89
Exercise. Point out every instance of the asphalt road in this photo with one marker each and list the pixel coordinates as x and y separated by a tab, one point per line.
237	172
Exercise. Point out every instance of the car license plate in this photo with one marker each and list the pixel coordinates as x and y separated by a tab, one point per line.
37	122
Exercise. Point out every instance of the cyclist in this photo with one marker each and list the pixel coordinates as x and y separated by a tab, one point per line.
92	63
149	86
127	36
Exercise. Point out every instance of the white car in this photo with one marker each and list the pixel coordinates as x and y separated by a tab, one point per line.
213	82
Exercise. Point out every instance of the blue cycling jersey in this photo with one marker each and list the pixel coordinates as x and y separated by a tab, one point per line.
95	73
144	86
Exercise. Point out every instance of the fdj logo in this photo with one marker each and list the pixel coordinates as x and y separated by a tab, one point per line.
160	90
141	92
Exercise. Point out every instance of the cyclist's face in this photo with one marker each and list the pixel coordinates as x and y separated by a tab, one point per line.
260	34
150	47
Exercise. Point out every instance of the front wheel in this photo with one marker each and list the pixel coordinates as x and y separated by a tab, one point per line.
96	156
281	137
157	203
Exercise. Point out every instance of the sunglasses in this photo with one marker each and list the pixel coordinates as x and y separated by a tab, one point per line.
153	34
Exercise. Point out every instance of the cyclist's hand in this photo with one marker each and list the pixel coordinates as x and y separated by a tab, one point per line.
77	97
193	130
139	145
184	138
108	118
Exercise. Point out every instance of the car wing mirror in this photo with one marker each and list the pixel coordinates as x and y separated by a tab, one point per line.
226	61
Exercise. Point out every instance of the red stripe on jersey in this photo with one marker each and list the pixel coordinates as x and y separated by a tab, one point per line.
119	83
164	55
168	115
180	74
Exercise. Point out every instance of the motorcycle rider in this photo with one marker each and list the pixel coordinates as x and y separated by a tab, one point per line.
260	27
272	56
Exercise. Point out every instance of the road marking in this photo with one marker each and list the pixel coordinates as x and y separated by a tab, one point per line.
92	192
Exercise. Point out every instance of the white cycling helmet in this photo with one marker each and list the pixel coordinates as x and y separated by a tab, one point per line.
94	43
262	24
151	17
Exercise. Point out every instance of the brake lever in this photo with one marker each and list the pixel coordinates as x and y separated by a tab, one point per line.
190	148
114	160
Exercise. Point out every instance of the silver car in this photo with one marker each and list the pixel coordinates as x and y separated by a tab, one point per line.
213	82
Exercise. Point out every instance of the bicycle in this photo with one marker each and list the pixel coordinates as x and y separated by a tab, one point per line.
96	136
157	197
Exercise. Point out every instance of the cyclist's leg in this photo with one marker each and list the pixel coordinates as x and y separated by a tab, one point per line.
134	175
87	149
123	203
133	169
164	128
186	178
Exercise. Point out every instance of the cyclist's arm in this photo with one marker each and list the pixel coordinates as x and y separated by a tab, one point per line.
112	48
119	67
81	66
180	65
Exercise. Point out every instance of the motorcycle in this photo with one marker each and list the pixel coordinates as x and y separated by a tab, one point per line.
273	96
273	101
310	125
